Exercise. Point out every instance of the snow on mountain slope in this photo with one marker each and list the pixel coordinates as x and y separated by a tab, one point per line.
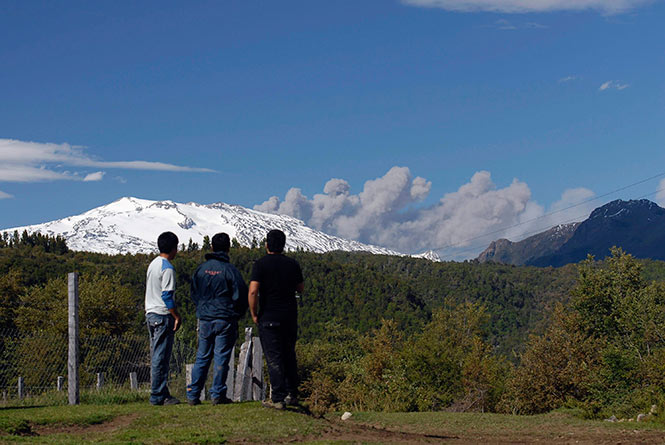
131	225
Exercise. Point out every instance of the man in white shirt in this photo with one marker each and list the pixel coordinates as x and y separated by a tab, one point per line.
162	317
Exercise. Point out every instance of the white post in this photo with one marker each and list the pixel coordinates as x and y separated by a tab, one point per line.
60	383
257	370
100	380
243	376
133	381
230	377
188	375
21	388
73	358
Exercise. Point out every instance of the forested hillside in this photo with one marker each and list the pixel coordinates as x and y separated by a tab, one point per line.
402	334
357	290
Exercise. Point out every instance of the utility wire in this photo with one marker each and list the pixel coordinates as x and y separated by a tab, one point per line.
576	219
553	212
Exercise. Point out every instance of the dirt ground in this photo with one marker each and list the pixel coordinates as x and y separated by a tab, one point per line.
352	432
338	431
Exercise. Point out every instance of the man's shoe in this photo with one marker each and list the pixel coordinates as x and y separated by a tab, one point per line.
171	401
291	400
274	405
221	401
194	402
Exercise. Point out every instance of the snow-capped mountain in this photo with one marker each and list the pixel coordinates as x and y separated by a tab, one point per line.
131	225
429	255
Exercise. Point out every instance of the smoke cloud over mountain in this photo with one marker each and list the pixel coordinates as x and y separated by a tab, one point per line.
386	212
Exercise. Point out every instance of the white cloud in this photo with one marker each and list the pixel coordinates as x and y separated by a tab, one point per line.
22	161
575	205
567	79
4	195
27	173
534	25
526	6
505	25
384	212
461	223
660	197
612	84
96	176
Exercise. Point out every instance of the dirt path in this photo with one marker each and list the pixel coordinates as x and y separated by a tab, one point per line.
104	427
352	432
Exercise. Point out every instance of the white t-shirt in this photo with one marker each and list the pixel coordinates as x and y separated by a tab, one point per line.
160	287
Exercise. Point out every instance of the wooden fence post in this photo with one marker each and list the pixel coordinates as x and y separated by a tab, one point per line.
230	377
60	383
257	370
133	381
21	388
73	357
188	375
243	376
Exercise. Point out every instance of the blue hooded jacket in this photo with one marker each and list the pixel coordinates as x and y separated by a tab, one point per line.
218	290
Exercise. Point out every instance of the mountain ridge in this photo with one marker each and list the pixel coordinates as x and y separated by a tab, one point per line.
634	225
131	225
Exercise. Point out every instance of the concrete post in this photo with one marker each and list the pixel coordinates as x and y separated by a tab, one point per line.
21	388
73	357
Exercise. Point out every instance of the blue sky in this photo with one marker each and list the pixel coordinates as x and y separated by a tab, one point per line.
279	95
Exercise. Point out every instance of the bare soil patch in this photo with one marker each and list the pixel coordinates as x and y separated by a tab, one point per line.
104	427
354	432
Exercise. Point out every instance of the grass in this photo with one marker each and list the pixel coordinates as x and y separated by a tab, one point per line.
143	423
250	423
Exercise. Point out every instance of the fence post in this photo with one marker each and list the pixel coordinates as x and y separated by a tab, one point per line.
21	388
73	359
133	381
257	370
60	383
230	377
100	380
188	376
243	376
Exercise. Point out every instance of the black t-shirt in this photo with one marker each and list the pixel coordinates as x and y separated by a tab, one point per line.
278	276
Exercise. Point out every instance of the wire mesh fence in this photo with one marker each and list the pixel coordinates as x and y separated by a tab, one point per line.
35	364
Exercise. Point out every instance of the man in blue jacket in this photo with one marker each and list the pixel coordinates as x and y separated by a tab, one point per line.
220	295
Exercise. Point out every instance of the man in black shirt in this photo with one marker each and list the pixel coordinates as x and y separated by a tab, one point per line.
272	300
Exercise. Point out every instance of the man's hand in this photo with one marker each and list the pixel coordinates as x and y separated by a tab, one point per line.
176	317
255	318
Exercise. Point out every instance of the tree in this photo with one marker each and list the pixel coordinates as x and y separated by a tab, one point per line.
106	310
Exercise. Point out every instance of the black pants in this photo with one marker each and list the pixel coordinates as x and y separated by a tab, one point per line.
278	340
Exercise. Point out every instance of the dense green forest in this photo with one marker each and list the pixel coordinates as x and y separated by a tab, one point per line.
399	333
357	290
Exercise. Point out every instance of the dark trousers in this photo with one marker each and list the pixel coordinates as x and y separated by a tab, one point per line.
160	328
278	340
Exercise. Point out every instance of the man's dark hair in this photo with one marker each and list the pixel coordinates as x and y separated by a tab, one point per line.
166	242
276	241
221	242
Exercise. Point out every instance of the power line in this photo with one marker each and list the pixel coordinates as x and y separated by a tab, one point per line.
552	213
576	219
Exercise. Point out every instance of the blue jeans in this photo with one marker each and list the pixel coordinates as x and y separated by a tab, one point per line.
161	332
216	337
